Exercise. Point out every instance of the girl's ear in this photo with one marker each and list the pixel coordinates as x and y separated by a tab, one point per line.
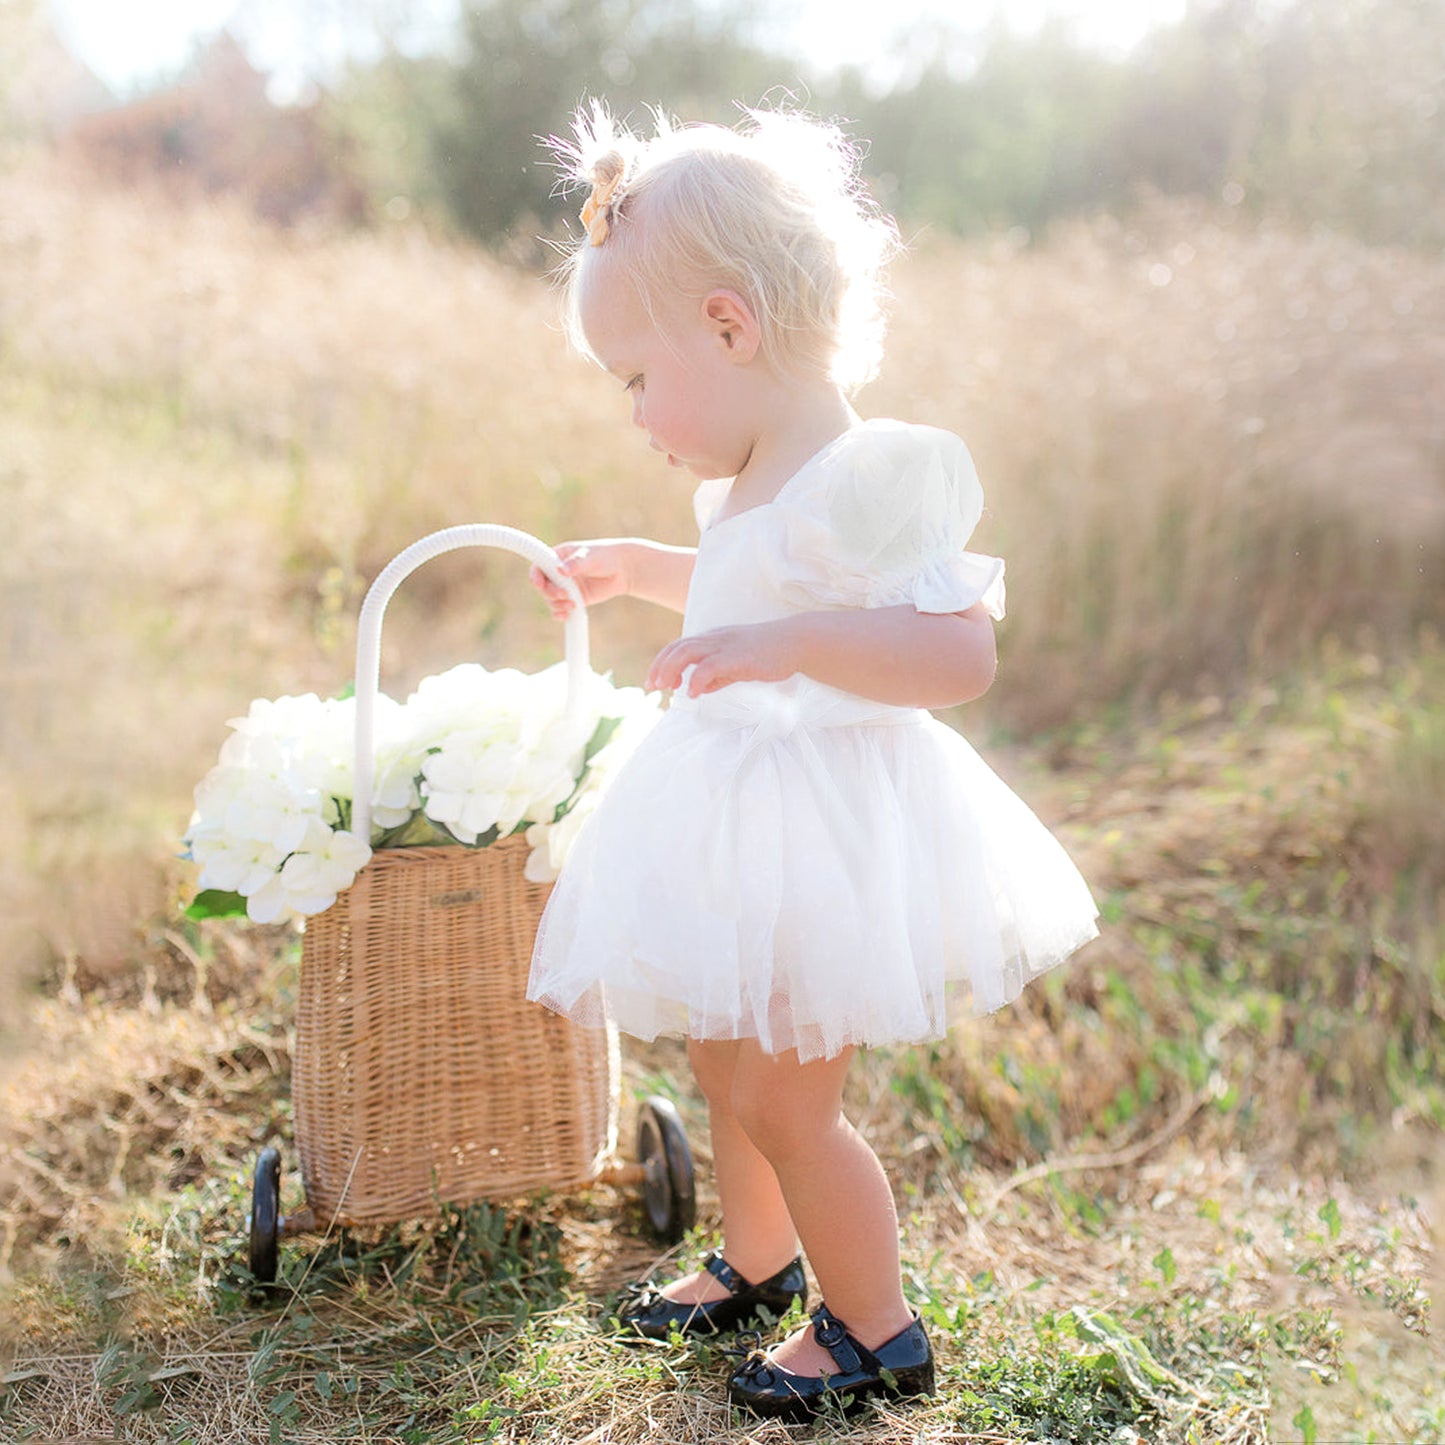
731	321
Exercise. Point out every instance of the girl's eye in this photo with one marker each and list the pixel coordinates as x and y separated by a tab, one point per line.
634	385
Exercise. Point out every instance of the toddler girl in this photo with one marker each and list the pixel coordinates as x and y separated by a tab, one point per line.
799	861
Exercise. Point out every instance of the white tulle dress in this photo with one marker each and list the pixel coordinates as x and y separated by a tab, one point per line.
793	863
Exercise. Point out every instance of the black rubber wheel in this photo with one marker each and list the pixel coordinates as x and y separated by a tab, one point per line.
669	1193
265	1216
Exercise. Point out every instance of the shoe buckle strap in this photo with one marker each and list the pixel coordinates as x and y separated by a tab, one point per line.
832	1334
725	1274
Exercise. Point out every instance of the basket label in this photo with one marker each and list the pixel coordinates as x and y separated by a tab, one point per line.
458	898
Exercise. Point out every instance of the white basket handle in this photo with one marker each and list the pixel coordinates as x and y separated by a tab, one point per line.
368	637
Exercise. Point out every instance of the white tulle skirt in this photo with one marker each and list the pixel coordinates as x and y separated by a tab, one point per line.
809	869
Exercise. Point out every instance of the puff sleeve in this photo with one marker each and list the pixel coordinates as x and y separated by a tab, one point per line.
888	524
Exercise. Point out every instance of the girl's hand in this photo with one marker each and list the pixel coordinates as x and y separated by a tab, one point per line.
896	655
751	652
601	569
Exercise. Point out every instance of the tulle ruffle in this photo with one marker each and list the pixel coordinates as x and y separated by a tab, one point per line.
794	864
808	869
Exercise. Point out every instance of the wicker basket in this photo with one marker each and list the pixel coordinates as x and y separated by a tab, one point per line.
421	1072
422	1075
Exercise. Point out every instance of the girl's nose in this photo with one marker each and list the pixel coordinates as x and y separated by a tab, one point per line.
637	419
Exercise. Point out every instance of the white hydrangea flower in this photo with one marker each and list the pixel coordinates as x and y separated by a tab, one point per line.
471	750
261	806
467	782
234	865
552	842
325	755
308	740
395	797
509	754
464	698
309	880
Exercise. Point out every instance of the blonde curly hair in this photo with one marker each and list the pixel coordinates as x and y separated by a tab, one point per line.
774	210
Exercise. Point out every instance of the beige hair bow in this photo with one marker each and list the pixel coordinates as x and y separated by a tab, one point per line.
598	209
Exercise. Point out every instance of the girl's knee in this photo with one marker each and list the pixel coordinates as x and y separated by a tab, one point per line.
781	1114
764	1119
713	1065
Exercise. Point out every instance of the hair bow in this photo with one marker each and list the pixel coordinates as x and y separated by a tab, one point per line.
597	212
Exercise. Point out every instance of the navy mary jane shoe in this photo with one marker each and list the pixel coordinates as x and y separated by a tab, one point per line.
901	1368
651	1314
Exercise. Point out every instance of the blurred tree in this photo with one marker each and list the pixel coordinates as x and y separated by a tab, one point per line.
1352	124
1011	139
1328	110
17	38
527	64
1331	111
1188	104
43	87
386	115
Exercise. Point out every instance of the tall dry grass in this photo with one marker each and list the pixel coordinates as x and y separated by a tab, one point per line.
1206	447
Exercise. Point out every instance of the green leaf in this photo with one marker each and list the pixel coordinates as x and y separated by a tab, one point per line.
601	736
1164	1263
1304	1422
216	903
1121	1360
417	832
1330	1214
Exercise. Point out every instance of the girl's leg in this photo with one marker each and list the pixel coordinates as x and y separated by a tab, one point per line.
836	1192
758	1235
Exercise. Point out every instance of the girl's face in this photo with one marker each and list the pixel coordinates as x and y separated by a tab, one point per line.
680	372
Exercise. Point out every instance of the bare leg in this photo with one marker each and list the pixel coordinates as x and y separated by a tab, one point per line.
758	1235
836	1192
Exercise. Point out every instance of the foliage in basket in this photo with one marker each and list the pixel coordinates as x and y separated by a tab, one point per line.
471	756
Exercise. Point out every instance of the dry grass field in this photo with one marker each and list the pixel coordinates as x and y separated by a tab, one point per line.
1185	1190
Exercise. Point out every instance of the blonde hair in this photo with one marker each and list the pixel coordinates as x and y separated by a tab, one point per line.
774	210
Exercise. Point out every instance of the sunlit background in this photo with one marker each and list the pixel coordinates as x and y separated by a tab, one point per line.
132	47
274	303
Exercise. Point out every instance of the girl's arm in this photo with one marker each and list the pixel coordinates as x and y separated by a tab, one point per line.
620	567
890	654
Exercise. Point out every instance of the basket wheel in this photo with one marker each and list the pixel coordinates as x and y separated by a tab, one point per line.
265	1216
669	1194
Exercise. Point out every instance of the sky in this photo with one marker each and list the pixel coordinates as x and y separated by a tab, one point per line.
129	44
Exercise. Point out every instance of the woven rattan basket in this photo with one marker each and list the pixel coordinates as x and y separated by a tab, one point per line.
421	1072
422	1076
